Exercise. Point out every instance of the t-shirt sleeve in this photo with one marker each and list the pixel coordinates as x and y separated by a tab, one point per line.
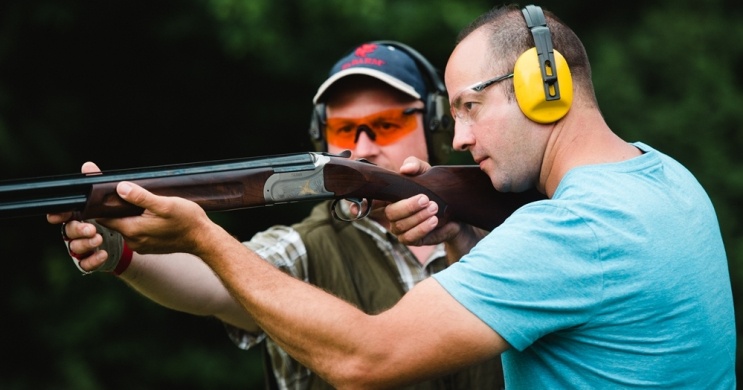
536	273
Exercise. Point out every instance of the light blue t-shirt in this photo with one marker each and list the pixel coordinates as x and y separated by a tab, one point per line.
620	280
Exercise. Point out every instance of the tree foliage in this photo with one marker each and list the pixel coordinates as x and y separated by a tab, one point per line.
134	83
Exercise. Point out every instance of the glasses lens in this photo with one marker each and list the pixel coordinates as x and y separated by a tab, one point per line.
461	111
388	126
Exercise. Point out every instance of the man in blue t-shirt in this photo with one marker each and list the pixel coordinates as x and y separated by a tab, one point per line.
620	278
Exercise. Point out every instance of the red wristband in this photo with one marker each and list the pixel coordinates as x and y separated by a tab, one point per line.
126	259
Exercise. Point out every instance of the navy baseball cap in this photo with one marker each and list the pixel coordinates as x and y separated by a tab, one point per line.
383	62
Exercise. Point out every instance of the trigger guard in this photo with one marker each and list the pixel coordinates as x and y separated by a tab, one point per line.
362	213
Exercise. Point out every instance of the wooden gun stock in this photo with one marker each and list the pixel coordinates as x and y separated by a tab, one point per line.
463	193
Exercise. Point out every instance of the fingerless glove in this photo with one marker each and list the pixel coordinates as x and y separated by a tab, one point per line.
119	254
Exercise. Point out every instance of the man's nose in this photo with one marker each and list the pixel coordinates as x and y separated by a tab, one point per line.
364	129
364	142
463	138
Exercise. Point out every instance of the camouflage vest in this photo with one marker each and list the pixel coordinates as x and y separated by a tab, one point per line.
347	263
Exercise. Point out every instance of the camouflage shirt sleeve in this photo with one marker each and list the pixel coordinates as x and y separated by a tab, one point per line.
283	247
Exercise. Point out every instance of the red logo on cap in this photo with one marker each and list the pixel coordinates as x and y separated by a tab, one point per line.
365	49
362	52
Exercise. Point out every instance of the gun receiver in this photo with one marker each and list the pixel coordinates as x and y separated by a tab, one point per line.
463	193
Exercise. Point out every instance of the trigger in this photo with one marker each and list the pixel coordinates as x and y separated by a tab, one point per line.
341	211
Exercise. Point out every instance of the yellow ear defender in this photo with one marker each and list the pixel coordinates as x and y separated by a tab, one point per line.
541	76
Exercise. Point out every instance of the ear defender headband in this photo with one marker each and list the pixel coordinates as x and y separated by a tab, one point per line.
437	120
541	76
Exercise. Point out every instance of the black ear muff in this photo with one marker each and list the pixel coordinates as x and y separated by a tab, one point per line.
439	127
541	76
437	120
317	128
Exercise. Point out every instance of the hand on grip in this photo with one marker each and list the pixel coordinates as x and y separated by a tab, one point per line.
111	242
85	241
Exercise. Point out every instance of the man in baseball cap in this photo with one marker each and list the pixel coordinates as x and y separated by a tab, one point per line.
400	69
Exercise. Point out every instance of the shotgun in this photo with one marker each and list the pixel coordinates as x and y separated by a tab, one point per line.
463	192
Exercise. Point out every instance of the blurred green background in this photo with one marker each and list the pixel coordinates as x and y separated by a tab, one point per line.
138	83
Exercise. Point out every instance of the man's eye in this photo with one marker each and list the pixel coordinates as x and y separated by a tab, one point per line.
387	126
345	129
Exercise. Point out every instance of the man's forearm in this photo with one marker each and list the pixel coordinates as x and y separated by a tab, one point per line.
287	309
339	342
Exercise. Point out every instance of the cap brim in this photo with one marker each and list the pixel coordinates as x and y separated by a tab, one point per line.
393	82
